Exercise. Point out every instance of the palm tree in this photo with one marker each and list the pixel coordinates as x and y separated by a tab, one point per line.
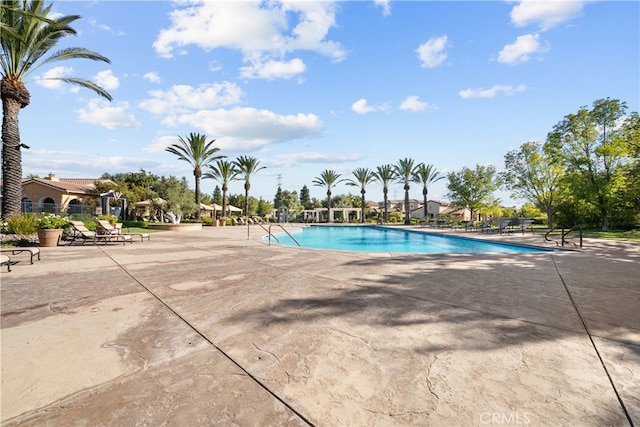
247	166
425	175
363	176
404	171
196	151
385	175
328	178
28	34
224	172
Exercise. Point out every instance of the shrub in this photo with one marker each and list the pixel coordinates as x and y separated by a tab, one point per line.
50	221
22	224
396	217
112	219
207	220
136	224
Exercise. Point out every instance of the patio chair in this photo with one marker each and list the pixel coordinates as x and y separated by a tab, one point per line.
107	228
527	226
83	234
503	227
33	251
485	226
5	260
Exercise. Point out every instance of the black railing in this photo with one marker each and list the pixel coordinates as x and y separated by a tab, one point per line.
563	236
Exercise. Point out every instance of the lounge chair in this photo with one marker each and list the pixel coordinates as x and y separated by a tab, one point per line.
33	251
5	260
503	227
487	226
83	234
527	226
469	226
107	228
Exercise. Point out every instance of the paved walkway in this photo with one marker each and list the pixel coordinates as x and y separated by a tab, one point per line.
212	328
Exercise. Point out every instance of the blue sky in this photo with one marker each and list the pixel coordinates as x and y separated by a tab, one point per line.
307	86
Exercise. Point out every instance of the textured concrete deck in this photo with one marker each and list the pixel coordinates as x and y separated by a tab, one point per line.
212	328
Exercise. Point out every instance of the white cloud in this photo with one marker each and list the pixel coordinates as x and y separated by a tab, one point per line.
273	69
361	106
385	5
266	42
107	80
152	77
492	92
292	159
160	143
79	163
413	103
112	116
547	14
184	97
54	73
431	53
249	128
521	50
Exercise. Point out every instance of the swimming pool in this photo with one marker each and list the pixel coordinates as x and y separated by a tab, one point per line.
383	239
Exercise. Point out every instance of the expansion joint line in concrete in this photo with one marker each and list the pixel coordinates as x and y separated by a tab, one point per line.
593	343
204	337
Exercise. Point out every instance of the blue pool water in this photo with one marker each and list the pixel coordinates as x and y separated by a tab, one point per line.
382	239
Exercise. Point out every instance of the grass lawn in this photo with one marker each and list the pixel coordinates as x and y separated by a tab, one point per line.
629	236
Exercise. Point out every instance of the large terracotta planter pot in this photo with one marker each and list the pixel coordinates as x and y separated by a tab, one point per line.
49	237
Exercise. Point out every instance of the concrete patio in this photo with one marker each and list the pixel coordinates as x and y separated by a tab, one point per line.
212	328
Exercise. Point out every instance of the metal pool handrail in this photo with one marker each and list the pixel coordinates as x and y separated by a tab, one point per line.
283	229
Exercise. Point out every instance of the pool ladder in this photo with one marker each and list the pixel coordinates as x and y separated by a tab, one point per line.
563	235
283	229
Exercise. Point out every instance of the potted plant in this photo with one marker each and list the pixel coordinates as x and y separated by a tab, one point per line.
50	228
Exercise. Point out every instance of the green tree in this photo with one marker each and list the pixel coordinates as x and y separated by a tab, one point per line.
196	151
385	176
179	198
426	175
529	210
405	171
217	195
277	200
328	178
28	34
473	188
288	199
224	172
361	178
594	146
305	197
247	166
264	208
315	203
533	175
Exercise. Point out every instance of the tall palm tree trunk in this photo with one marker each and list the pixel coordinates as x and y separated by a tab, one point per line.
247	186
224	199
385	191
13	99
407	210
424	202
363	202
197	173
329	206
